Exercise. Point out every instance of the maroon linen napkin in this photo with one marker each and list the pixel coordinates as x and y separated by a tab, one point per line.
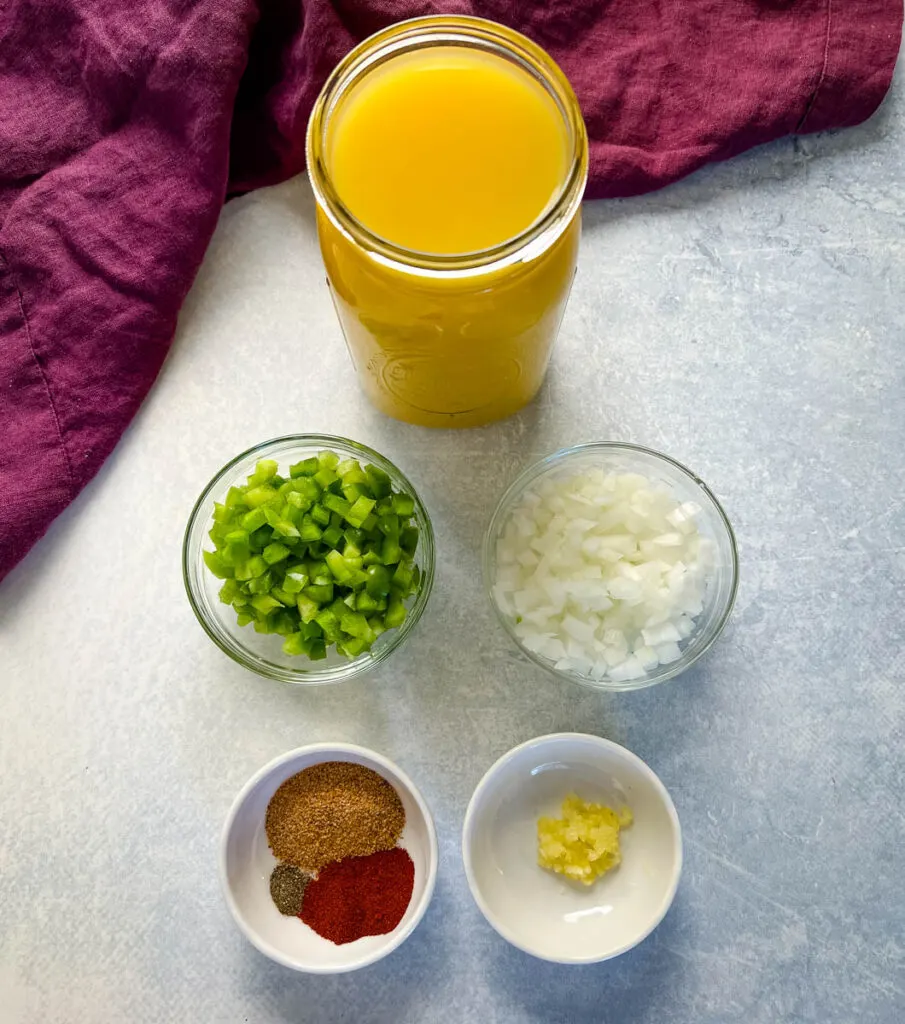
123	123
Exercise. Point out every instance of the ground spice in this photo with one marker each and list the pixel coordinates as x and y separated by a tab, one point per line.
333	810
360	896
287	888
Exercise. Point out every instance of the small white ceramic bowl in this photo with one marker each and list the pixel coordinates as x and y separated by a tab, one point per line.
540	912
246	863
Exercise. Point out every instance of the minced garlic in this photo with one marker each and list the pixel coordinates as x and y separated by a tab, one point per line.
584	843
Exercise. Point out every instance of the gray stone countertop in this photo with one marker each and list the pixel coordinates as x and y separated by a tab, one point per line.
750	322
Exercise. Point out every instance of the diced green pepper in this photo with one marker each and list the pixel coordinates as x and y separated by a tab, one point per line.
402	577
352	492
284	623
309	530
390	552
325	477
259	540
298	500
295	643
323	556
332	536
320	515
357	580
355	624
307	488
355	538
265	470
337	566
403	505
378	584
319	572
255	566
291	514
336	504
235	497
388	524
259	496
275	552
264	603
329	623
307	607
378	481
214	561
294	582
395	614
284	528
253	520
310	630
350	470
307	467
320	592
352	646
360	511
260	584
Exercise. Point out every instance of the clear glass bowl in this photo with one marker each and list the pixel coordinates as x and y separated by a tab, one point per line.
721	581
261	652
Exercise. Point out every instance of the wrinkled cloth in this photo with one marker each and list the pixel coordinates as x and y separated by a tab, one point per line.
125	123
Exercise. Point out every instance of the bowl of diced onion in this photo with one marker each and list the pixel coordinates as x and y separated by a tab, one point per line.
611	565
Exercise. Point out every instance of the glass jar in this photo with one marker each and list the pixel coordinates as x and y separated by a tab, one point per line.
438	340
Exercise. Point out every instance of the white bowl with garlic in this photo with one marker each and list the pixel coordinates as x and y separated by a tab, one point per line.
611	564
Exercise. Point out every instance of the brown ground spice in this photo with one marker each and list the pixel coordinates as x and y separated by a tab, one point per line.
333	810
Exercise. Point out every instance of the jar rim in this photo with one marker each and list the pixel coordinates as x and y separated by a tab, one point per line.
456	30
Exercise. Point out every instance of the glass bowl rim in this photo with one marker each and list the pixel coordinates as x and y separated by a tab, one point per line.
535	470
309	676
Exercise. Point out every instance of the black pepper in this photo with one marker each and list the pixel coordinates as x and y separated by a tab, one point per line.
287	888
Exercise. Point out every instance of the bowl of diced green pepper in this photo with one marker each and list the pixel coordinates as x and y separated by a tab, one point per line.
308	558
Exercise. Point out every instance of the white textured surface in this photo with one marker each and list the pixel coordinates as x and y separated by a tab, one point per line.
750	322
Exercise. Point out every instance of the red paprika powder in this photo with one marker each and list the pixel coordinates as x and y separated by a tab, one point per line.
360	896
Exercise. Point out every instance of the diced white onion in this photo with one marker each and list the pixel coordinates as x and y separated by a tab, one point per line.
604	573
